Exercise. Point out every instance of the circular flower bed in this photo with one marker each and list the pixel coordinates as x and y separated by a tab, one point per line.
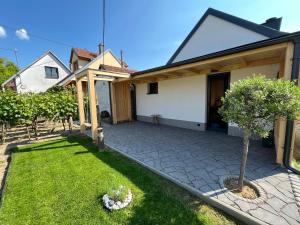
250	193
117	199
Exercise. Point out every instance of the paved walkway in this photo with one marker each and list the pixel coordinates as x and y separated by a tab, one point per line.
200	159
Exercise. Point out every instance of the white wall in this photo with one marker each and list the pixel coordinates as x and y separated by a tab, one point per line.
180	99
185	98
270	71
102	92
34	78
215	35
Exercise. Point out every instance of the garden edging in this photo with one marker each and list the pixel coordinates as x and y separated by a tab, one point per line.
210	200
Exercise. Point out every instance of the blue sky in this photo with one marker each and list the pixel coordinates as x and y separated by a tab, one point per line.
148	31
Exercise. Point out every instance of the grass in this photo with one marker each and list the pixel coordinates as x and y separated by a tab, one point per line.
63	181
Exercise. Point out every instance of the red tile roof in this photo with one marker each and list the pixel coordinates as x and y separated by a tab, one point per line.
83	53
116	69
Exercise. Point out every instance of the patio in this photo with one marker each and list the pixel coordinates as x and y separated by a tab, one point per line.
200	159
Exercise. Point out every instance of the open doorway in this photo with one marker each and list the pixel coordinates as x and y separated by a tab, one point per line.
217	85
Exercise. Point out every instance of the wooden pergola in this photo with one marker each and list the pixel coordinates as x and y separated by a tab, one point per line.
281	54
90	76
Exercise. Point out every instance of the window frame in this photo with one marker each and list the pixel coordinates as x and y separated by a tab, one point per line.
51	76
152	91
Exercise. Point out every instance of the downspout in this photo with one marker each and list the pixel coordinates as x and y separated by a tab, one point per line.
290	123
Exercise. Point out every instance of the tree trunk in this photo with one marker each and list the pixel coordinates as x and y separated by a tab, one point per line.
63	123
54	126
70	124
3	133
244	160
28	132
36	128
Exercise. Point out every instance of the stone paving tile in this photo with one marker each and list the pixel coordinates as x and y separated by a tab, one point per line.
200	159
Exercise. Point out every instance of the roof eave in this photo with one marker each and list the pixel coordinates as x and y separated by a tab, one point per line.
285	38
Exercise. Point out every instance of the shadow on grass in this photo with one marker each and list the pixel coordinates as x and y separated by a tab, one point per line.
163	202
180	208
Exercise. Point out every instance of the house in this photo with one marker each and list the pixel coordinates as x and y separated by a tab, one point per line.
40	75
81	60
186	92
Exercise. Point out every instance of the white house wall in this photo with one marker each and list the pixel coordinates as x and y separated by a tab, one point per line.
270	71
179	102
34	78
102	92
183	102
214	35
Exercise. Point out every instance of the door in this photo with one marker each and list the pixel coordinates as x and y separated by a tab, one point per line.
217	85
122	102
133	101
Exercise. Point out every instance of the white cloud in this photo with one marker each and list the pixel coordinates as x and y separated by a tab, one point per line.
2	32
22	34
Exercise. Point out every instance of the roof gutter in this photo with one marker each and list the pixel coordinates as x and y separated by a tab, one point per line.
290	123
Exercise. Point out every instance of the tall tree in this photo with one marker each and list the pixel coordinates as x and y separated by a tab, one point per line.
254	103
7	69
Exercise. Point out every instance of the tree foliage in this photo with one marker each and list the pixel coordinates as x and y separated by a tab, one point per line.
254	103
7	69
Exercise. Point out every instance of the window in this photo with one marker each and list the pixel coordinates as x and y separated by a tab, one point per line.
51	72
153	88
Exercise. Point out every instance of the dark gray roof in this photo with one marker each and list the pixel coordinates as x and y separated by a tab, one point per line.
261	29
294	37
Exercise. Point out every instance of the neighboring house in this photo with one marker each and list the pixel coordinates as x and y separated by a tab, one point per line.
81	59
186	92
40	75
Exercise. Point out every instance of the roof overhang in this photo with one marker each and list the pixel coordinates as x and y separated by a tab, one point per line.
101	75
270	51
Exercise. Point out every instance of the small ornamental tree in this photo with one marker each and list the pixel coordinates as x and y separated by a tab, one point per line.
254	103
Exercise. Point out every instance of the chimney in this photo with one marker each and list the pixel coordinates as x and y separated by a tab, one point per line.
274	23
101	48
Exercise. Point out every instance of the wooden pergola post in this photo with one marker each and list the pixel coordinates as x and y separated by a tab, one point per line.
280	126
93	108
80	104
113	102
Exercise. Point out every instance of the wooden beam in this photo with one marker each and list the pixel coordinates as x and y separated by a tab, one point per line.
84	73
93	108
109	73
255	63
243	61
218	59
113	103
288	61
280	124
80	105
129	102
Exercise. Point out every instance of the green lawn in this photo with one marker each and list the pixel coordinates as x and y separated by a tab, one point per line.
62	182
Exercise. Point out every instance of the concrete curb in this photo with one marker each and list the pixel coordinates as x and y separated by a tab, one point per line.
244	217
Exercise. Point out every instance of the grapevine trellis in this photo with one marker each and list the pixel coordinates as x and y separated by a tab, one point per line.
57	104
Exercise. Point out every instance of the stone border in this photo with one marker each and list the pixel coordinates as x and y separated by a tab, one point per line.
5	168
295	183
262	194
117	205
238	214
